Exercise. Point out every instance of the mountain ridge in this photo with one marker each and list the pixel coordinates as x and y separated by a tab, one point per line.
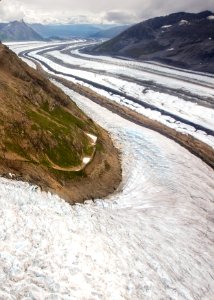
180	39
18	31
47	140
65	31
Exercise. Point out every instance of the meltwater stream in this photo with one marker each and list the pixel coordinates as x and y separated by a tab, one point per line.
152	239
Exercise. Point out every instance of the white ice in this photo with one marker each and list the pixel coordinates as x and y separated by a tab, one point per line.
186	109
152	239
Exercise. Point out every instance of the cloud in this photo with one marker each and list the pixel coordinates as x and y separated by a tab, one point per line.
11	10
160	7
119	17
95	11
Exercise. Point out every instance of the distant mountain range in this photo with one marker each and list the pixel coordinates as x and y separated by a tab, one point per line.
180	39
65	31
18	31
77	30
110	33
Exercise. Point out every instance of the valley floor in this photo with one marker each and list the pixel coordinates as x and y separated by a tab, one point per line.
152	239
182	100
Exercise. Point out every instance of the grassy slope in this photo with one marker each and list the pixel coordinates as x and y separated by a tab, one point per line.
39	125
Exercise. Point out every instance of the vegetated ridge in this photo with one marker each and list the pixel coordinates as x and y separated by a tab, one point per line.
45	137
180	39
18	31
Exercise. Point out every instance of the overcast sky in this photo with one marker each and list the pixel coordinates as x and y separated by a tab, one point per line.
95	11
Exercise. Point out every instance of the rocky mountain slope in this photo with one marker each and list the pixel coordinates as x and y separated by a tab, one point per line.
47	140
18	31
181	39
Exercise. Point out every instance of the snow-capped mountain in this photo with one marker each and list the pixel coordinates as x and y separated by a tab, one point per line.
18	31
180	39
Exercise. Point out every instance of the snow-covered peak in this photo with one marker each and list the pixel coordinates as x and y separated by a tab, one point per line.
166	26
211	18
184	22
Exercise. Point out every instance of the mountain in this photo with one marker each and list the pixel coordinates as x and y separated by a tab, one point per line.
18	31
180	39
47	140
110	33
65	31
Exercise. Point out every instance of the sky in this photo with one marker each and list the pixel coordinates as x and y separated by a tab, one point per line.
95	11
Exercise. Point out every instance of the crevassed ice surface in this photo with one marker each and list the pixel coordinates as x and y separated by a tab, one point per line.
152	239
195	83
